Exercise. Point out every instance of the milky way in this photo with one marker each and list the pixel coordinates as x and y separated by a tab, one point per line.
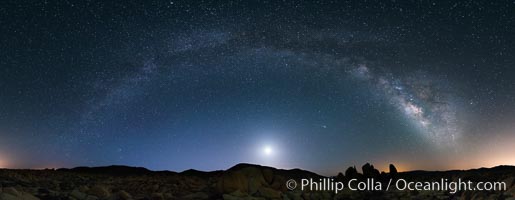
423	103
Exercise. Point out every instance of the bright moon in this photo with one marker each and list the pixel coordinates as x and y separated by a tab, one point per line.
267	150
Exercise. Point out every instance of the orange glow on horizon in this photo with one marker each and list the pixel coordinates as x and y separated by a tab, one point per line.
49	166
401	167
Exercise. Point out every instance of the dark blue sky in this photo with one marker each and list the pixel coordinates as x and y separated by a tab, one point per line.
206	85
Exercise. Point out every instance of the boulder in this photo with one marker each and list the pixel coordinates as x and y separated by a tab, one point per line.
43	191
196	196
157	196
268	174
268	193
78	194
369	171
155	187
19	196
230	197
11	191
238	193
123	195
5	196
279	183
83	188
168	196
393	170
246	179
340	177
89	197
99	191
351	172
294	195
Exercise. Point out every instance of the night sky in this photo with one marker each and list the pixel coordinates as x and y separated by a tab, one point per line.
317	85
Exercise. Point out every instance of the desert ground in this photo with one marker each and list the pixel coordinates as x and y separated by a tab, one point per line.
243	181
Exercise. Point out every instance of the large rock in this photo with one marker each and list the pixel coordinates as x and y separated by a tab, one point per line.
19	196
238	193
269	193
157	196
230	197
351	173
99	191
246	179
78	194
5	196
340	177
196	196
123	195
268	174
294	195
89	197
393	170
369	171
279	183
11	191
83	189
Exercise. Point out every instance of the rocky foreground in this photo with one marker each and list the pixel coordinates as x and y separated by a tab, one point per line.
243	181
